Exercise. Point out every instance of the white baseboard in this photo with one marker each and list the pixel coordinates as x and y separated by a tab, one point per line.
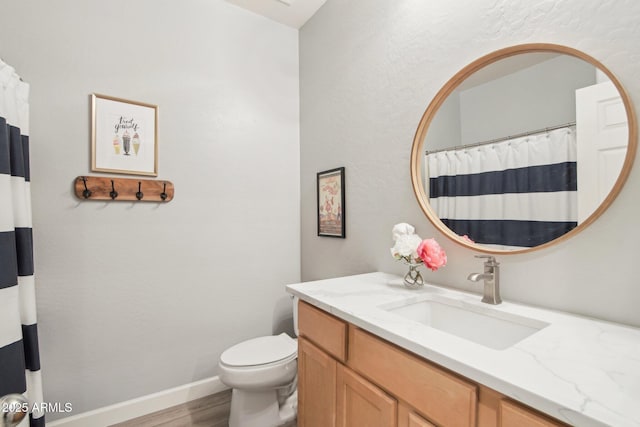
144	405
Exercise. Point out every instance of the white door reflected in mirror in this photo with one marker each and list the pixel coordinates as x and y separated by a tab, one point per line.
601	125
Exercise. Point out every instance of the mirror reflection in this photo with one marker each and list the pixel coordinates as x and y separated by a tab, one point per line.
523	151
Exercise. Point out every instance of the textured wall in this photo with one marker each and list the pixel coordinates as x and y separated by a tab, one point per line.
368	70
138	298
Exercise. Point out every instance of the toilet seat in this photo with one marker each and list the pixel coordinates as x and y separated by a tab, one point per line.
261	351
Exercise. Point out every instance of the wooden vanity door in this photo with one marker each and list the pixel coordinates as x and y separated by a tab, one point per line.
360	403
316	386
407	417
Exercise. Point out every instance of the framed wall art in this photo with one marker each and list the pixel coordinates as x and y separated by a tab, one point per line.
124	136
331	203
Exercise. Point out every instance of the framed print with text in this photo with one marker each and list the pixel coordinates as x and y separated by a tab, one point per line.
124	136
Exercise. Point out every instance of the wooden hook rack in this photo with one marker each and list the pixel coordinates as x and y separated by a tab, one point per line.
123	189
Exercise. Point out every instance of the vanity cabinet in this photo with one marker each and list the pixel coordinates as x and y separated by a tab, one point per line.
316	386
445	398
348	377
360	403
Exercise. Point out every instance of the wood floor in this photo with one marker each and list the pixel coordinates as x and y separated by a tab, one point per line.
209	411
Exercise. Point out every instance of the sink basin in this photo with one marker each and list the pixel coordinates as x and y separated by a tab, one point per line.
482	325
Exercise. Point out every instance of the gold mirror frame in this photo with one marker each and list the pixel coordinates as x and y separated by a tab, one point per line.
418	142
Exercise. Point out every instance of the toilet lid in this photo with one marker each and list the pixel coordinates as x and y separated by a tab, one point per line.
260	351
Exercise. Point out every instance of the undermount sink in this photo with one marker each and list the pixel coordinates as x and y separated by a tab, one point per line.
482	325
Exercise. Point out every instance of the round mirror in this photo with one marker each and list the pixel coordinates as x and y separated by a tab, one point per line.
523	148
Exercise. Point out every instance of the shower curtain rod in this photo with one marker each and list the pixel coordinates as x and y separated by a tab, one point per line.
504	138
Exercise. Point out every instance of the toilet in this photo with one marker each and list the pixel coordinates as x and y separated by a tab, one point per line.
263	374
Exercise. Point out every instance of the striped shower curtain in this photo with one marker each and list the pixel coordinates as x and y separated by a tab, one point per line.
19	355
516	193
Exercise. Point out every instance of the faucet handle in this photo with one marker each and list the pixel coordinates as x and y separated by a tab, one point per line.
490	259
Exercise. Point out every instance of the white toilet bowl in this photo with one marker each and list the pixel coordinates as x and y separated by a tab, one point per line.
262	372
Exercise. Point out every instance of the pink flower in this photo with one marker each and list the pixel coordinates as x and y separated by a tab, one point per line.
467	239
432	254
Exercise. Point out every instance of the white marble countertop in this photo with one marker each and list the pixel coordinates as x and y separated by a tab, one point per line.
582	371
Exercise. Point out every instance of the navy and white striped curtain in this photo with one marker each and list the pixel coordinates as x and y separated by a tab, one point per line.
516	193
19	355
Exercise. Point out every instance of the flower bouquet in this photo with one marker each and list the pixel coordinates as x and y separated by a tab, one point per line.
413	251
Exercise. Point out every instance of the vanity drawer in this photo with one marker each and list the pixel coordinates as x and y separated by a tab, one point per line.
325	330
442	397
512	414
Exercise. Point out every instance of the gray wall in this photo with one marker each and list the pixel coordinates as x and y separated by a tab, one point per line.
445	129
368	70
533	97
138	298
537	97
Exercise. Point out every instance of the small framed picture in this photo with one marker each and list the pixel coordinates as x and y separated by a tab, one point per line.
331	206
124	136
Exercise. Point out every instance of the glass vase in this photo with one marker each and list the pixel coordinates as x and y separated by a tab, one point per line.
413	278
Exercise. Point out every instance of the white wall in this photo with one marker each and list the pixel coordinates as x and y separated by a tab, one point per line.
138	298
368	70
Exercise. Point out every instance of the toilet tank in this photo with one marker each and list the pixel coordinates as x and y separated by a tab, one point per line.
295	315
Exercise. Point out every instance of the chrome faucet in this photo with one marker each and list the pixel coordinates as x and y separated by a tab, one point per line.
491	277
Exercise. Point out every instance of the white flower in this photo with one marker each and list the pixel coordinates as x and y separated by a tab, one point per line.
402	229
406	246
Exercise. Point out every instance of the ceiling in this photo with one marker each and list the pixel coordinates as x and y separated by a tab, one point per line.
293	13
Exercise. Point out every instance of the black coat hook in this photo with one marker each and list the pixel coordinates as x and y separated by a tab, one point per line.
113	194
86	193
139	194
163	195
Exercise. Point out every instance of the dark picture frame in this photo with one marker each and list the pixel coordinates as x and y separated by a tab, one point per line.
331	203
